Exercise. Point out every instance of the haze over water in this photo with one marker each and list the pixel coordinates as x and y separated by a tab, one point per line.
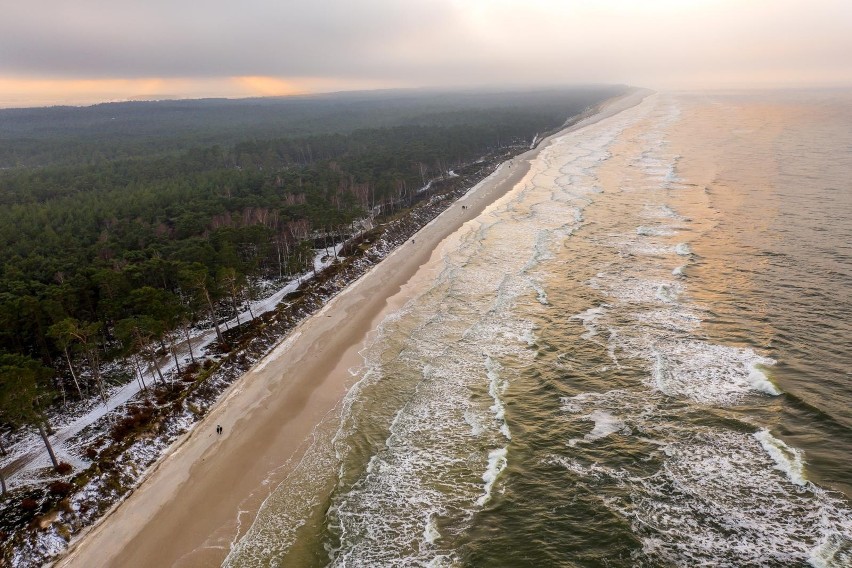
639	357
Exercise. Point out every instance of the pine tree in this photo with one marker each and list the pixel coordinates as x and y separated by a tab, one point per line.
25	392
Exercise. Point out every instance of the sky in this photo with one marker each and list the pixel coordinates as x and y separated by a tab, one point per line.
86	51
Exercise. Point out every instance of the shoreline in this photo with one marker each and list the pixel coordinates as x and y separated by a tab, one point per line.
208	487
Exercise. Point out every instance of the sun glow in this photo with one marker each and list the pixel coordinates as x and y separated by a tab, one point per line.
267	86
38	91
28	92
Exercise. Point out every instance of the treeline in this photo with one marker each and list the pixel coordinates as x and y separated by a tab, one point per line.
116	131
118	259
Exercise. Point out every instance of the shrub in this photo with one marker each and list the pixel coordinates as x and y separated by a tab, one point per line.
136	417
65	506
60	488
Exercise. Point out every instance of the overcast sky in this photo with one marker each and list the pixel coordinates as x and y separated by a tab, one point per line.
89	50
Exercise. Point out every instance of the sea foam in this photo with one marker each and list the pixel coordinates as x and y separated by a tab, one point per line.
787	459
683	249
717	500
605	424
496	464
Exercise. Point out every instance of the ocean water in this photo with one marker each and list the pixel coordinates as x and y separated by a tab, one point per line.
641	356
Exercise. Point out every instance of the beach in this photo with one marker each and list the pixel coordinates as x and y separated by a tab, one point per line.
203	495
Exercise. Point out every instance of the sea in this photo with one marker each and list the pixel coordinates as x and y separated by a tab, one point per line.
641	356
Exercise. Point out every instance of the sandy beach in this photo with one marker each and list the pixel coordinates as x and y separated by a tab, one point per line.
207	490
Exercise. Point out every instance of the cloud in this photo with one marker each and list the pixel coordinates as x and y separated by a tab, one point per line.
295	44
186	38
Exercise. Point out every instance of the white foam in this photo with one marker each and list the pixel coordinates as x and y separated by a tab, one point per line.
787	459
648	248
430	532
630	290
670	318
659	231
474	421
761	382
716	501
594	471
657	211
706	372
496	387
660	373
666	293
590	318
678	272
541	295
671	173
679	365
496	464
605	424
834	550
683	249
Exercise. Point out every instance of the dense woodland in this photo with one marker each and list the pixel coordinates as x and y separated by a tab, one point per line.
123	225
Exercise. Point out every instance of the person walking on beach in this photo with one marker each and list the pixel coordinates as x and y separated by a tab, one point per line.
218	428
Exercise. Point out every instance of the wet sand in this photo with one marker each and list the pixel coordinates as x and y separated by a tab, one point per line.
206	491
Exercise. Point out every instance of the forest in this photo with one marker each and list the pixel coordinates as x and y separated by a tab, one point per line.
125	225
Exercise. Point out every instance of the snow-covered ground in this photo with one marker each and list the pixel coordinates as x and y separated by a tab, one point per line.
27	459
27	456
